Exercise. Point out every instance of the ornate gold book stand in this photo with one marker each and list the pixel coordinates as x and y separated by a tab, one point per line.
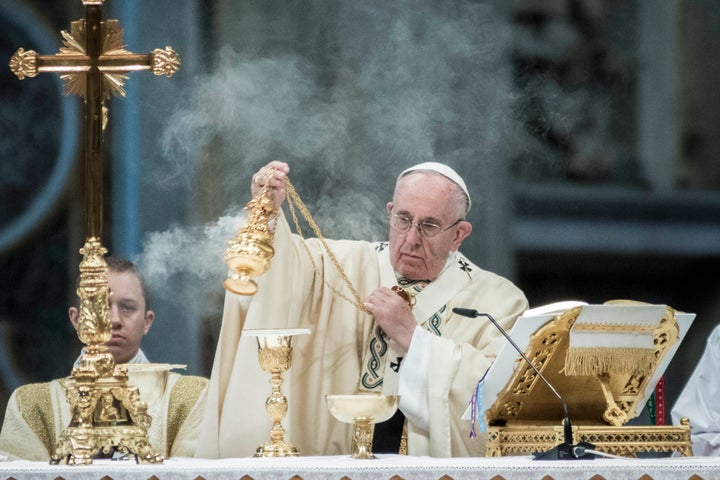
604	382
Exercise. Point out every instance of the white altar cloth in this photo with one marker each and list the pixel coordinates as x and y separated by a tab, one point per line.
385	467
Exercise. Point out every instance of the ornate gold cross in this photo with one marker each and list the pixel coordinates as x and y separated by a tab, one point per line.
94	64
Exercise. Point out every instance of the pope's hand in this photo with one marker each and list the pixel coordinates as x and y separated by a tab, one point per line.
273	174
393	315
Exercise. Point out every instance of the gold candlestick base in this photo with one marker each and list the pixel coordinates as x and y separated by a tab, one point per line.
275	357
363	411
107	415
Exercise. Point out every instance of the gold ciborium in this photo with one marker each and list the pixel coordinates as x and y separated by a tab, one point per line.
275	357
363	411
248	254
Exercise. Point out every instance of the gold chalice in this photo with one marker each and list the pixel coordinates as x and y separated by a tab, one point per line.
275	357
363	411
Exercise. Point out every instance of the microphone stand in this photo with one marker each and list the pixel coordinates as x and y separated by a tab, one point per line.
566	450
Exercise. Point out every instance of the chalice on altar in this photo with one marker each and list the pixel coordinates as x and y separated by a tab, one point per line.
275	357
363	411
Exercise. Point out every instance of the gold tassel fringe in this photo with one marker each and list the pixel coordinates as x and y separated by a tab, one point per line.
597	360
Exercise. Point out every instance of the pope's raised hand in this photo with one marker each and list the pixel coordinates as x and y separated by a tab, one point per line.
273	175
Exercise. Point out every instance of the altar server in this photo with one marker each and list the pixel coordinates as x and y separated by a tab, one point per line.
37	413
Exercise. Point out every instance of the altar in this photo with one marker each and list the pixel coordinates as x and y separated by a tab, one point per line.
384	467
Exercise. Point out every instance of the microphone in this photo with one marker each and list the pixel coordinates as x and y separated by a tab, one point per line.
566	450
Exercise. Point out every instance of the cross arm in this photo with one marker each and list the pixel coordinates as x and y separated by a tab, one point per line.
28	63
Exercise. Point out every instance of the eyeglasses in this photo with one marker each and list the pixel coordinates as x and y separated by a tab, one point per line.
402	223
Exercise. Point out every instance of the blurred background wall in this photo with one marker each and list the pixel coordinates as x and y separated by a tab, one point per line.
587	131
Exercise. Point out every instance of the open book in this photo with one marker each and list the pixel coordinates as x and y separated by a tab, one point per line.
618	326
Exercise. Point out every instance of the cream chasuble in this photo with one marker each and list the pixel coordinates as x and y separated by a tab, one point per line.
330	360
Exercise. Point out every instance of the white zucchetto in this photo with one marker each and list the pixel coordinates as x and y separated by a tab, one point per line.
444	170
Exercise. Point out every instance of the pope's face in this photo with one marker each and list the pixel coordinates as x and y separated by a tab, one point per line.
425	197
129	318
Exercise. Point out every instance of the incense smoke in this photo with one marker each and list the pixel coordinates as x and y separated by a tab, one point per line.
365	90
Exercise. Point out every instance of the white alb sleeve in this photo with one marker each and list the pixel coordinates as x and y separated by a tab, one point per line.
413	386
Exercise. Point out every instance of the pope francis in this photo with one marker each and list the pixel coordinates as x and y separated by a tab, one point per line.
414	347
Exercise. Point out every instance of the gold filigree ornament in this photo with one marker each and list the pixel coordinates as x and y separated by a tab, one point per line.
23	63
249	252
107	415
165	62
